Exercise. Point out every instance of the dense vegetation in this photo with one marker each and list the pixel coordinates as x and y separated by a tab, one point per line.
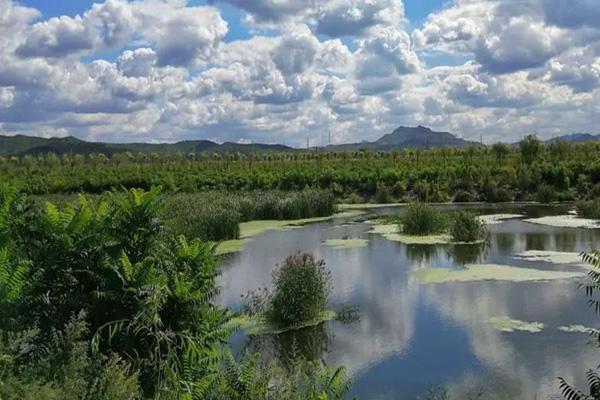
301	289
467	227
558	171
98	302
216	215
422	219
592	286
589	208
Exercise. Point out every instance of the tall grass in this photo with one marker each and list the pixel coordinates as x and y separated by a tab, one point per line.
422	219
589	208
216	216
466	227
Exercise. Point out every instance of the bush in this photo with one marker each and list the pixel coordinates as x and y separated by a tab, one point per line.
301	290
546	194
466	227
383	194
464	196
589	209
421	219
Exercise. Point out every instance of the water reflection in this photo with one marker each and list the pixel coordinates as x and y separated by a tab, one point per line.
411	336
463	254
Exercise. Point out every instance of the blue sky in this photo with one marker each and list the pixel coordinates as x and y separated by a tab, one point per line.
282	71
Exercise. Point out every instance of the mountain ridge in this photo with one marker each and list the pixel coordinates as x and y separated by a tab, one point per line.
402	137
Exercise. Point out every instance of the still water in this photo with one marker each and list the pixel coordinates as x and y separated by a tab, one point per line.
410	336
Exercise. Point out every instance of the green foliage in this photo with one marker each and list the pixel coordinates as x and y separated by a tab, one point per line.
467	227
301	287
593	377
215	216
531	148
63	368
422	219
589	208
422	174
546	194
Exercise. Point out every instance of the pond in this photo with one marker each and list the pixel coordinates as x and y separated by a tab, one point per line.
412	336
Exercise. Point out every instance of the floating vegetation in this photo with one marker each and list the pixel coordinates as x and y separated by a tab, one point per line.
577	329
554	257
392	232
506	324
490	272
256	324
368	206
346	243
253	228
565	221
493	219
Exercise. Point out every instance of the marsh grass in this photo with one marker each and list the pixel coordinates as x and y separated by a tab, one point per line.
215	216
589	209
466	227
421	219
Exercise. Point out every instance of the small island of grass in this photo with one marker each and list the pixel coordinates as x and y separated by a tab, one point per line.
301	287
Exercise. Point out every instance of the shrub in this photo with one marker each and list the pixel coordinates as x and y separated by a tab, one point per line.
546	194
355	198
421	219
466	227
301	290
589	209
383	194
464	196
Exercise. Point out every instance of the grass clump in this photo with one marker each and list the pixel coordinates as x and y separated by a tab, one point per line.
215	216
466	227
422	219
589	209
301	290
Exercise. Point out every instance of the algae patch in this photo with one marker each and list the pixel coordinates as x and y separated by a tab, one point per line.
506	324
565	221
256	324
490	272
553	257
253	228
346	243
392	232
492	219
577	329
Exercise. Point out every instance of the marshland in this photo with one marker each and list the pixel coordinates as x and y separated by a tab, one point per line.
423	274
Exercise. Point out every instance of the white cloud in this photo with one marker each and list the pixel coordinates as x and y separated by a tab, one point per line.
166	70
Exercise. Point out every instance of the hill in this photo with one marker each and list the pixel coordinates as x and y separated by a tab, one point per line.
406	137
27	145
575	138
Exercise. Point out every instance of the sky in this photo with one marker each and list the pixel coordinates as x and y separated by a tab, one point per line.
282	71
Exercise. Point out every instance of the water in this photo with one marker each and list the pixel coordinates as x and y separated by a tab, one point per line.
411	337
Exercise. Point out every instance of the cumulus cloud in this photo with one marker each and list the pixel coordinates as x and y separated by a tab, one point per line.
167	70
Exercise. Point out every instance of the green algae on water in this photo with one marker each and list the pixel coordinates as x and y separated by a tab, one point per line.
577	329
490	272
565	221
346	243
492	219
392	232
553	257
257	324
253	228
506	324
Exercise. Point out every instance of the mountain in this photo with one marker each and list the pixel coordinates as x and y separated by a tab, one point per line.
406	137
28	145
575	138
403	137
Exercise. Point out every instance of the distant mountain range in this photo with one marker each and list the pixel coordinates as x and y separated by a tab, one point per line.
28	145
403	137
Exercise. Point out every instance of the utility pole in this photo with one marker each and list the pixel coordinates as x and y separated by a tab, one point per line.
307	143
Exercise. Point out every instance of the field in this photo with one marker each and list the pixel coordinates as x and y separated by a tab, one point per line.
112	264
